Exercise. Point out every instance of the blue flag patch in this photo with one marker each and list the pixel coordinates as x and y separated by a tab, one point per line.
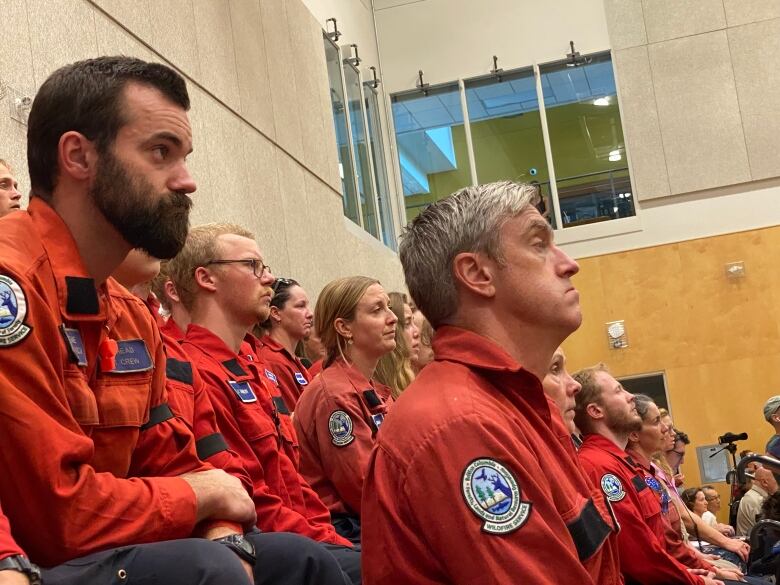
132	356
301	379
271	376
243	390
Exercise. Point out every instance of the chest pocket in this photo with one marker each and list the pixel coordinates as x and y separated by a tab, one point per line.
81	399
253	419
648	500
124	399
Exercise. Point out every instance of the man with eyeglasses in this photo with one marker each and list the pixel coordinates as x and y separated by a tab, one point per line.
223	282
713	507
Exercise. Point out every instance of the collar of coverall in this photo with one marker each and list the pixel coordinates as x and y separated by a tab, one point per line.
604	444
354	376
76	291
216	349
455	344
274	345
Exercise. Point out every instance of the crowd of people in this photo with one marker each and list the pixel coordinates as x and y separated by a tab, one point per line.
173	412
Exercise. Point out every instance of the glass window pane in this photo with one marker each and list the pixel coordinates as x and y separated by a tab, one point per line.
586	136
348	191
360	148
506	131
431	143
380	171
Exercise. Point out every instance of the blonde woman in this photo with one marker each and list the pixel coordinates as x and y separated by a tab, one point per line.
339	414
395	368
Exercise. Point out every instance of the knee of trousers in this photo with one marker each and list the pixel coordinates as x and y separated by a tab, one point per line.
203	562
289	548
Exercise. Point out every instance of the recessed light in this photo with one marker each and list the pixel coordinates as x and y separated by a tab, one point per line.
602	101
614	155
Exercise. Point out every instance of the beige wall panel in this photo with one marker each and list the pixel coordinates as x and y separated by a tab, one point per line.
173	34
63	32
753	51
698	111
284	94
251	63
132	14
671	19
295	216
217	56
265	201
640	123
202	113
746	11
114	40
308	57
625	23
16	60
717	340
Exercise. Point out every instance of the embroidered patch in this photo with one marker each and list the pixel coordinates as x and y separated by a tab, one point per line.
271	376
612	488
378	419
243	390
492	493
340	427
75	345
301	379
653	484
132	356
13	310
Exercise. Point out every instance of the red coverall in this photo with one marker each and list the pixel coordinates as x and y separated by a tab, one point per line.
334	465
291	375
251	416
671	536
8	546
474	479
70	432
642	548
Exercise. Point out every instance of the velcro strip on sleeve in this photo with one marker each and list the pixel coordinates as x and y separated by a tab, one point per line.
159	414
179	370
589	531
210	445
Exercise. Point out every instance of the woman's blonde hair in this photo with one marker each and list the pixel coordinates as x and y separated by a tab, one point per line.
338	300
395	368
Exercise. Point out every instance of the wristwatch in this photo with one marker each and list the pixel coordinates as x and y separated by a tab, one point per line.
241	546
22	565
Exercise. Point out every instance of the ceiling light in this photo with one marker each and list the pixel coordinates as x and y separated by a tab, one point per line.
602	101
614	155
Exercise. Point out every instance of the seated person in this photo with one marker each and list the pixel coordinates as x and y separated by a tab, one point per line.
713	507
425	353
562	388
177	318
394	369
339	415
289	322
764	485
222	281
10	198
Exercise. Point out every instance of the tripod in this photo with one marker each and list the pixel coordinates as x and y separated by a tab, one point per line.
732	480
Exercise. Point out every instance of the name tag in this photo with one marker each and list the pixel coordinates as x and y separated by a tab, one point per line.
75	345
300	379
243	390
378	419
132	356
271	376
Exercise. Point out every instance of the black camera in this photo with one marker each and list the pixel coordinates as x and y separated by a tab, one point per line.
731	437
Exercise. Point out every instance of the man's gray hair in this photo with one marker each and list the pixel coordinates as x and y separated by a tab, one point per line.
469	220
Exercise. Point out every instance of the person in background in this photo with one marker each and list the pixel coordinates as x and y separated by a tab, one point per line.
425	353
339	415
562	389
394	369
713	507
10	197
178	317
314	351
764	485
289	322
773	418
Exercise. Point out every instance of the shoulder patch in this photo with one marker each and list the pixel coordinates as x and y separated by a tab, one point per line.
612	487
271	376
243	390
13	310
301	379
492	493
340	427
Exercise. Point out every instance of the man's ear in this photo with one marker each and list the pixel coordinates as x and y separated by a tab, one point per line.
205	279
594	411
77	156
171	292
476	272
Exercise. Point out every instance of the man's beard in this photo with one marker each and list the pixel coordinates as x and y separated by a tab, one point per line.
157	225
623	423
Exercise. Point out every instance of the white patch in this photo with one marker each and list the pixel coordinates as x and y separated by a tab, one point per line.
612	488
13	310
492	493
340	427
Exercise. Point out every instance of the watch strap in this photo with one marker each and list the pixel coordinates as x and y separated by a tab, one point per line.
241	546
23	565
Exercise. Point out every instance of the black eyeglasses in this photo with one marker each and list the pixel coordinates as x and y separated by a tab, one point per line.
258	268
282	281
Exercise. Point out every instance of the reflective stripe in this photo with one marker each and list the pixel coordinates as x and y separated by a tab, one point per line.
159	414
588	531
210	445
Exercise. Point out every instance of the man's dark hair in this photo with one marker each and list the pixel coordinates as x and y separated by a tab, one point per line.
681	437
86	97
